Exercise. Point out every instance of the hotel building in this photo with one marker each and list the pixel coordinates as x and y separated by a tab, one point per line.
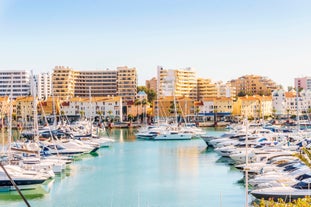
253	85
179	82
127	84
15	81
44	85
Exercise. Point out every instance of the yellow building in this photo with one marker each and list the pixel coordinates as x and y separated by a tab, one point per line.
179	82
206	88
165	107
49	107
63	81
256	106
24	108
4	106
215	107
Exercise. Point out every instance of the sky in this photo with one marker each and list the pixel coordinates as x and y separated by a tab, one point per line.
220	39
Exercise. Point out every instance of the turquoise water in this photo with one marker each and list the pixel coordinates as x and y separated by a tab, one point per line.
143	173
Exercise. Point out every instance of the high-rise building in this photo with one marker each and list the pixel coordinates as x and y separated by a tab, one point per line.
44	85
206	89
303	83
16	82
127	84
253	85
69	83
179	82
97	83
63	80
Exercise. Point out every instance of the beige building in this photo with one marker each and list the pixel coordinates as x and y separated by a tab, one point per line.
165	106
253	85
24	108
206	89
152	84
179	82
216	105
95	83
256	106
127	84
4	106
63	82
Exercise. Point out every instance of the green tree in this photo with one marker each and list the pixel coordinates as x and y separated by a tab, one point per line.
137	102
151	94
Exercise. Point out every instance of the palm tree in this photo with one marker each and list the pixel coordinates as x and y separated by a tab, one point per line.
137	102
82	114
197	110
100	113
144	102
130	118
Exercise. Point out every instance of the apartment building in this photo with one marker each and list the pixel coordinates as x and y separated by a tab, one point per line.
206	89
225	90
255	106
63	80
127	84
16	82
177	82
303	83
253	85
106	107
95	83
44	85
152	84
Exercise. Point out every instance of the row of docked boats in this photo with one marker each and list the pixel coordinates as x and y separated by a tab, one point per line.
37	157
269	158
169	132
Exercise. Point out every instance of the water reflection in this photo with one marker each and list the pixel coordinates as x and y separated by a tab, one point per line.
38	192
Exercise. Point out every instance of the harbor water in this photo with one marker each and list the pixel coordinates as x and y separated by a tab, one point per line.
142	173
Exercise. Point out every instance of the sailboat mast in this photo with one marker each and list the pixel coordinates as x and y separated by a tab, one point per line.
297	108
91	111
10	121
35	112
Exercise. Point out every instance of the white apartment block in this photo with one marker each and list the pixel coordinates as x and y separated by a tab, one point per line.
288	103
105	106
225	89
44	85
15	81
279	102
179	82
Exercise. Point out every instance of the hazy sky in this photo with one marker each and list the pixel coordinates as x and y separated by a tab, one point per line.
220	39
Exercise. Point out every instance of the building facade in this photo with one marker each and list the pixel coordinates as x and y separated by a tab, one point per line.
303	83
44	85
253	85
63	81
127	84
97	83
179	82
15	82
152	84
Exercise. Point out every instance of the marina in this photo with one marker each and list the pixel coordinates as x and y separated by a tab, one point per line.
134	172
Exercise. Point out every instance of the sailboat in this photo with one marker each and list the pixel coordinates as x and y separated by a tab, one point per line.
24	179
